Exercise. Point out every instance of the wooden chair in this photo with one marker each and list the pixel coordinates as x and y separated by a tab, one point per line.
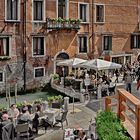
8	131
22	130
62	118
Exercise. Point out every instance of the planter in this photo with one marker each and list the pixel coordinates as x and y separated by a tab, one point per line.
4	58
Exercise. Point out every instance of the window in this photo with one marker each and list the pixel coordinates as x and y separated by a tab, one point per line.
83	12
38	10
107	43
4	46
135	41
39	72
99	13
12	9
82	44
62	8
1	77
38	46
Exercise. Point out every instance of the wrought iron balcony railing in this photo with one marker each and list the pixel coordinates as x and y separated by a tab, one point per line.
71	24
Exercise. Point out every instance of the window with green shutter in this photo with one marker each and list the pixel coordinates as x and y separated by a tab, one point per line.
107	43
1	77
82	44
135	41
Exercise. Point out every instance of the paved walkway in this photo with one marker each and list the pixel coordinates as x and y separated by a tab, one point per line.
84	112
79	119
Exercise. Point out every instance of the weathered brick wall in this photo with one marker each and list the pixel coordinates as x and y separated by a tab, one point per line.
121	19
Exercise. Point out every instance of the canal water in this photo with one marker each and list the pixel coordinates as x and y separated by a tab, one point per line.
29	97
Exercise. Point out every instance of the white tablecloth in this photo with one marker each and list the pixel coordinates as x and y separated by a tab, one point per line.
52	114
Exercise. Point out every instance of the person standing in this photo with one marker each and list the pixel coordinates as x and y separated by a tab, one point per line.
128	80
117	75
138	79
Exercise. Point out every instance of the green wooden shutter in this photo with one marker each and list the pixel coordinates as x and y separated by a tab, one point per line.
132	42
7	46
138	42
110	43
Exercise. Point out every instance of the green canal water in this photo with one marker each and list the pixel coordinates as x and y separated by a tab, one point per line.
29	97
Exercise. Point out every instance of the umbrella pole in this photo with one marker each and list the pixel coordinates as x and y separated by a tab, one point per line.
99	96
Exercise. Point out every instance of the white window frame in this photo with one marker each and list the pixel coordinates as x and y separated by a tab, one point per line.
2	76
9	45
19	1
87	11
67	9
33	49
95	13
39	68
44	16
78	43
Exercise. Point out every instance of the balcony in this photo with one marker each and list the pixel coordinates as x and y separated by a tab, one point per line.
61	24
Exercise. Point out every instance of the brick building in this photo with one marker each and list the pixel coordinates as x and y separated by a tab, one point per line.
108	30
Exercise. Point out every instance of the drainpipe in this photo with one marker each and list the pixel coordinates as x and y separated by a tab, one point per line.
93	27
92	49
24	45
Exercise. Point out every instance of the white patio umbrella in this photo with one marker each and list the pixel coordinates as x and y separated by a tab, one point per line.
98	64
73	62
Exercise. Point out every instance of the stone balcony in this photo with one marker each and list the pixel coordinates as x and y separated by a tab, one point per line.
62	24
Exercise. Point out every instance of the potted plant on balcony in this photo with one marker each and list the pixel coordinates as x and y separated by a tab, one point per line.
60	22
66	23
76	23
51	22
4	58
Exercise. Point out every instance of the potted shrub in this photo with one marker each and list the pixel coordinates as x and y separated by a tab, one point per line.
50	99
110	127
19	106
55	78
38	101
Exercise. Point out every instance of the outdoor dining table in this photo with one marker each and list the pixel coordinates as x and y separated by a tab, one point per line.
52	113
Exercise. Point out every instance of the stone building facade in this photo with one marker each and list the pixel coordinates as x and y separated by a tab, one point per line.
108	30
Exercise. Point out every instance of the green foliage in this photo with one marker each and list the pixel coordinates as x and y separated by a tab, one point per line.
50	98
55	98
19	105
38	101
4	58
55	77
109	127
61	20
68	82
2	108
